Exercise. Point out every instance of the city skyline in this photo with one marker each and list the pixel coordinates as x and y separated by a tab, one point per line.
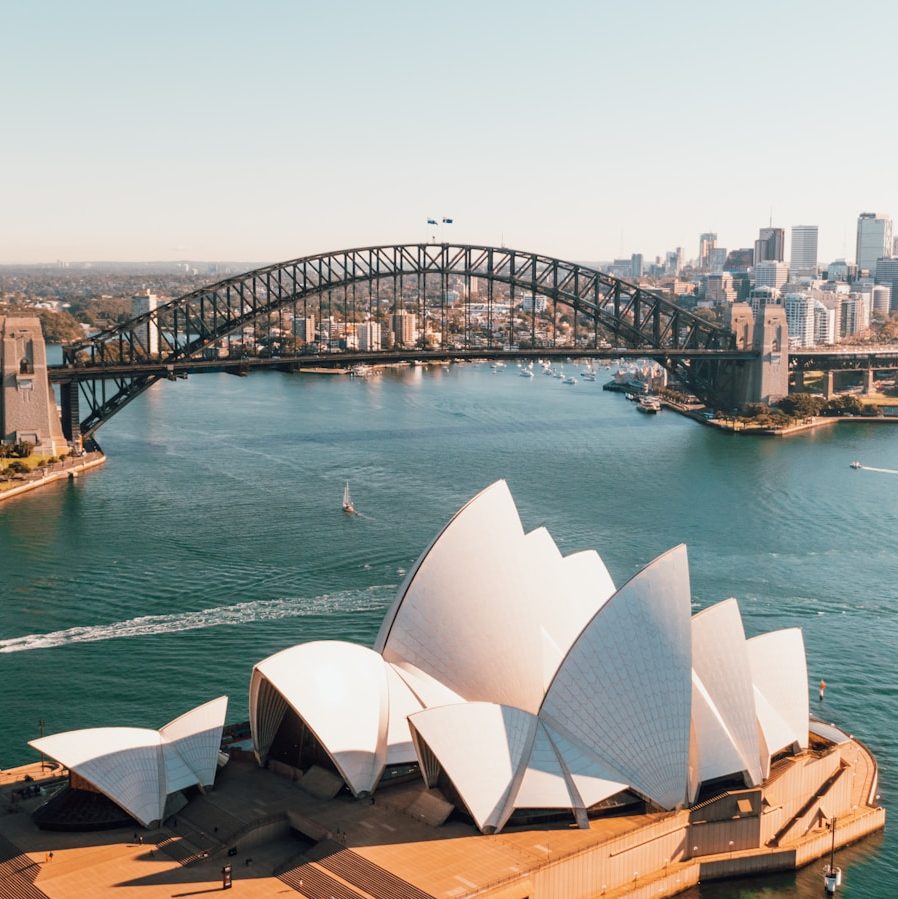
212	132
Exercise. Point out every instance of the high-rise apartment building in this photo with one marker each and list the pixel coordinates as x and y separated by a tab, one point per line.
770	245
825	323
147	335
368	336
636	265
803	260
874	239
800	319
706	243
771	273
405	331
304	329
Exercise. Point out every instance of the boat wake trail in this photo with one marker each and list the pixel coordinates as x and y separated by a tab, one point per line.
880	470
371	599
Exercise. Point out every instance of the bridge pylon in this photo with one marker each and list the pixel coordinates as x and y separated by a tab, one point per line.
764	379
27	405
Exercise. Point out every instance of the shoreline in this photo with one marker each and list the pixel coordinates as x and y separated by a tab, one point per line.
69	469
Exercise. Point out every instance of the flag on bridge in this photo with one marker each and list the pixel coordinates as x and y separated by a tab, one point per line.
432	222
447	221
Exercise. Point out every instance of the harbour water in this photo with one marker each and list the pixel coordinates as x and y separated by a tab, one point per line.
214	536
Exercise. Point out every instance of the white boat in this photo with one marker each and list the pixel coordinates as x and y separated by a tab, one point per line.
348	507
569	381
588	375
856	464
526	373
651	405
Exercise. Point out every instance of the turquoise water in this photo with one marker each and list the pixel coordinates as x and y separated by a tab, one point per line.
214	537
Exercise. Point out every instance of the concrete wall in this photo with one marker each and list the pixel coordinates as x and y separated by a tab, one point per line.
27	405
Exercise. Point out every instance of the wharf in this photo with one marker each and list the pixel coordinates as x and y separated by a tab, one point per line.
71	467
281	841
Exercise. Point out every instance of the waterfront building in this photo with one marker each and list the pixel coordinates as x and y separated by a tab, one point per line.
874	240
304	329
368	336
404	326
771	274
685	700
146	336
887	275
706	243
800	319
803	259
142	771
770	245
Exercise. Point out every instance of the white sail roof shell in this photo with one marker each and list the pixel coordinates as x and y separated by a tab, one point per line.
348	697
485	600
624	690
138	768
486	779
780	676
721	666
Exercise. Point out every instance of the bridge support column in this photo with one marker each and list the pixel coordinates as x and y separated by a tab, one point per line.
829	384
799	381
71	417
868	382
27	405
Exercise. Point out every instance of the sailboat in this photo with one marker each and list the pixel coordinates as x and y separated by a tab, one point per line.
348	507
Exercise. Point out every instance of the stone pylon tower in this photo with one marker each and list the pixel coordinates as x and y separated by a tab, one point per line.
765	379
27	405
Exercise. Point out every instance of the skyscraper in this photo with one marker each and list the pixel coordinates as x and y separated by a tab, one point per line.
771	274
887	275
706	243
803	260
874	239
770	245
147	334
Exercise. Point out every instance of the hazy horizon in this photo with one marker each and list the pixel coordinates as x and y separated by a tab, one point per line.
219	131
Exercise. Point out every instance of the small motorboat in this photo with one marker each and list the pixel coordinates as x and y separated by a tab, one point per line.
856	464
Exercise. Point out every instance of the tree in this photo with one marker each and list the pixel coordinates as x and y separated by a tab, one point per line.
802	405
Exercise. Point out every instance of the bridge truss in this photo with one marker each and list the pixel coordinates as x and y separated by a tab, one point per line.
104	373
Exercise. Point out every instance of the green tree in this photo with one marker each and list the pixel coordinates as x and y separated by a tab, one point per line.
802	405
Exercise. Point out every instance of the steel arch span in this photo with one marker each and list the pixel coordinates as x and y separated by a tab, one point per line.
113	367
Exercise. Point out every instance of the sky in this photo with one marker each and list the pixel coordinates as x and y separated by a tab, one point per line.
269	130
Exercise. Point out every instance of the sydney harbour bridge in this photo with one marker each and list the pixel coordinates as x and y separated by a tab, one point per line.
584	312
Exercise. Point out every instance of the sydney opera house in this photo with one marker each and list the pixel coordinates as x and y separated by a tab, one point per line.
515	691
520	681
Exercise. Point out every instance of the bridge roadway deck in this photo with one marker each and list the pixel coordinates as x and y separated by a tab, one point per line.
67	373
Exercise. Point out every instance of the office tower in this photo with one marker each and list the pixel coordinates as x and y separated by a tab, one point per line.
636	265
770	245
771	273
719	288
803	260
882	299
887	274
716	259
874	239
147	334
706	243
